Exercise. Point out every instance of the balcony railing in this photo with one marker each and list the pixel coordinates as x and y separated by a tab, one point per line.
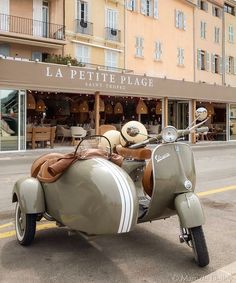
112	34
83	27
31	27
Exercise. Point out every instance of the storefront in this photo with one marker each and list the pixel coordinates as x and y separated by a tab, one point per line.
107	97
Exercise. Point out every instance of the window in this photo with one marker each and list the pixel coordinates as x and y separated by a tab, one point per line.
4	50
139	47
111	59
231	34
216	64
82	10
230	65
229	9
131	5
158	51
217	35
203	30
216	11
37	55
149	8
180	56
202	60
82	53
111	18
180	20
203	5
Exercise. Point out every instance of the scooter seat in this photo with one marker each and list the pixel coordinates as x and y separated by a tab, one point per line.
137	154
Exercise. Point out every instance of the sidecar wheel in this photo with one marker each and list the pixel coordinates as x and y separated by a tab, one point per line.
199	246
25	226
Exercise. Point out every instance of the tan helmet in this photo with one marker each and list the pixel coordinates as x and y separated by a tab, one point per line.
114	138
133	132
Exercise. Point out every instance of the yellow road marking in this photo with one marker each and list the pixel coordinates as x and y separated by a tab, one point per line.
12	233
49	225
216	191
6	225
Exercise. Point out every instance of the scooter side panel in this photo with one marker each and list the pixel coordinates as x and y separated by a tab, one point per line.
94	196
29	193
173	164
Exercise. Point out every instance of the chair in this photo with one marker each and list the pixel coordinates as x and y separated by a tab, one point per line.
77	133
63	133
105	128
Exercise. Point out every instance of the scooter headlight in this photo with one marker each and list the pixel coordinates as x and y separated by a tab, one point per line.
169	134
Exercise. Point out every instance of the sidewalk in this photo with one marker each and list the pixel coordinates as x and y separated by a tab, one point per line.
205	145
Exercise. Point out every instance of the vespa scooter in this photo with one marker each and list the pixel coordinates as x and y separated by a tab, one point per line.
93	195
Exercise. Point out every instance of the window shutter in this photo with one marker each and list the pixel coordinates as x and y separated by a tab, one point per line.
133	4
234	65
213	67
220	66
129	4
220	13
199	3
213	10
227	64
185	22
207	61
143	7
177	18
199	59
206	6
85	11
155	9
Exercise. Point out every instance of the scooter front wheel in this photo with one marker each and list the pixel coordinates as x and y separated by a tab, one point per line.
25	226
199	246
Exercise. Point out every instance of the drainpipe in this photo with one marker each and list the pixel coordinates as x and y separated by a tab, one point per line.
194	46
97	96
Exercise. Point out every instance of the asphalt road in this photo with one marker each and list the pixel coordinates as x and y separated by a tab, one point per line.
150	253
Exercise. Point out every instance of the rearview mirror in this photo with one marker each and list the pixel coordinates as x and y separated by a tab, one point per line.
201	114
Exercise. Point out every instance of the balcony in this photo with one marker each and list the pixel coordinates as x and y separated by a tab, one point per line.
83	27
29	27
112	34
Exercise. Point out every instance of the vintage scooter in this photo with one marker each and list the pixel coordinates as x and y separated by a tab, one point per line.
93	195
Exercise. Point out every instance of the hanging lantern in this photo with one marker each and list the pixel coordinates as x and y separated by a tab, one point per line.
141	107
31	104
74	107
118	109
84	108
108	109
40	106
159	108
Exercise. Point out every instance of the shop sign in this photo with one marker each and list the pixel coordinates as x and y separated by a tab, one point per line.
99	79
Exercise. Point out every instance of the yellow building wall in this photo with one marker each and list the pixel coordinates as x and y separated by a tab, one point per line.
208	43
230	48
96	42
162	29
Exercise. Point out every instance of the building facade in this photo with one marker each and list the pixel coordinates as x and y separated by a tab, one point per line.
171	56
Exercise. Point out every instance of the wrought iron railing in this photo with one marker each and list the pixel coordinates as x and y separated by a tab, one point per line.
31	27
112	34
83	27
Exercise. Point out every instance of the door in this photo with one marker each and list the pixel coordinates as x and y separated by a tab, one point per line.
37	17
178	112
4	15
45	18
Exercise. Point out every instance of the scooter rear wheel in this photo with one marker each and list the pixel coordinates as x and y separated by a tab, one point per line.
25	226
199	246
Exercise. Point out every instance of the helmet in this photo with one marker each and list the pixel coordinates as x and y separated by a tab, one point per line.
133	132
114	138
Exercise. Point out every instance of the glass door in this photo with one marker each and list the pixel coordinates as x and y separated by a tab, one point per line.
232	121
45	19
178	114
12	120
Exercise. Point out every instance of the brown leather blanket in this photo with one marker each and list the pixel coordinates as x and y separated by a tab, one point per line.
49	167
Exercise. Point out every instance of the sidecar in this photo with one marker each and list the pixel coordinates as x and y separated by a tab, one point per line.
93	196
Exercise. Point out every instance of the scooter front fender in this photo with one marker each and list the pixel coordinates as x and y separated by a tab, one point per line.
189	210
29	193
